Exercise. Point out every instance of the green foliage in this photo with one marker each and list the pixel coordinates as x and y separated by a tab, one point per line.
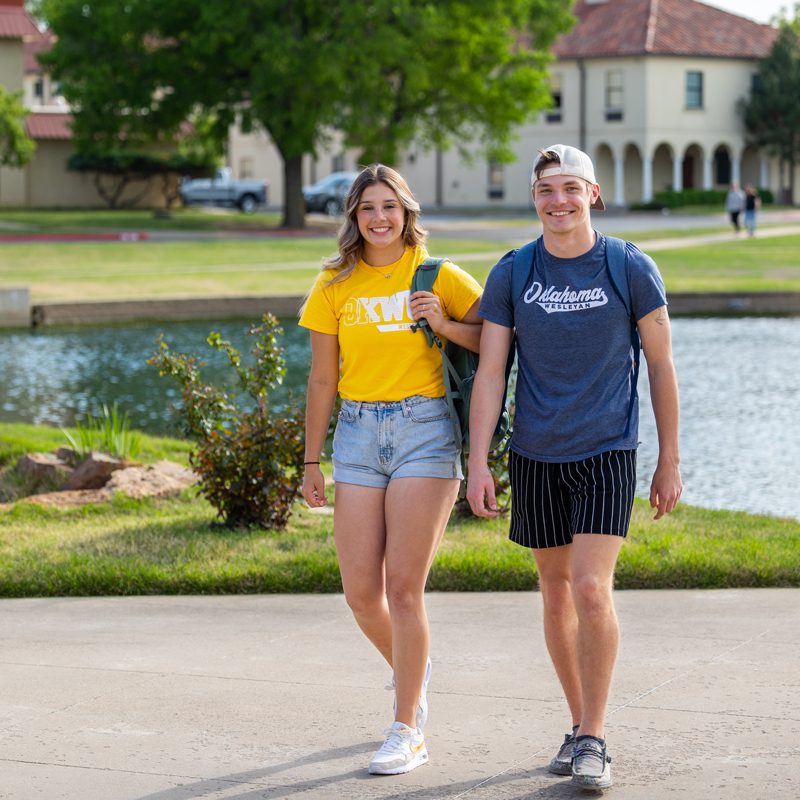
249	459
170	547
16	439
127	166
145	165
771	113
463	72
693	197
16	147
386	72
108	433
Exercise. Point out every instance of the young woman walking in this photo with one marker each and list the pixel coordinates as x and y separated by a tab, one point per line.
396	465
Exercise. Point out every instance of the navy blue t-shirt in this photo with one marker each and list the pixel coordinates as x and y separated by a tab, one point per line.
573	397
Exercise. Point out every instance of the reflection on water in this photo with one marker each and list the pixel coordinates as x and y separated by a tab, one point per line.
740	426
53	376
740	435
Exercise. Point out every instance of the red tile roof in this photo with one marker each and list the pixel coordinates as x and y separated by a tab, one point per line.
34	46
15	22
42	125
661	27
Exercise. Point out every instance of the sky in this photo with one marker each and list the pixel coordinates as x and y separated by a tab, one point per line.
761	11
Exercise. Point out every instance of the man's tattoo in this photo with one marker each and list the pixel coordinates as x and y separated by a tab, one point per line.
662	316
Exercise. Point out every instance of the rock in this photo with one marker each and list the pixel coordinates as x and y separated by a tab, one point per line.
68	455
164	479
68	499
97	479
43	469
94	472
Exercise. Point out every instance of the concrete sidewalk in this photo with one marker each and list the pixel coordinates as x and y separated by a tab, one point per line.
170	698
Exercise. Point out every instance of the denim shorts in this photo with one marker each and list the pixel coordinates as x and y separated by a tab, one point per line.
410	438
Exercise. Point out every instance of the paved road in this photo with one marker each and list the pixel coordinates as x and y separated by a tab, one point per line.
246	697
518	229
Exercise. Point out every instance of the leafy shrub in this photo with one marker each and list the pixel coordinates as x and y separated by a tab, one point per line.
692	197
766	195
109	433
249	459
498	465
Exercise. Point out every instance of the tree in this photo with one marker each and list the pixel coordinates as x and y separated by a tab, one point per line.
771	114
464	73
384	72
16	147
116	171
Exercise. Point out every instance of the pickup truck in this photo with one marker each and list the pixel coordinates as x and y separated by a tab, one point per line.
223	190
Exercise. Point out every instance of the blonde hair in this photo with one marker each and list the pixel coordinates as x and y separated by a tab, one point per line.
350	241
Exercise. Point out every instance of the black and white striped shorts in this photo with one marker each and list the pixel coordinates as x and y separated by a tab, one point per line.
551	502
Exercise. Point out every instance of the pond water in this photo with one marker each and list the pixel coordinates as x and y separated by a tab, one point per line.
740	420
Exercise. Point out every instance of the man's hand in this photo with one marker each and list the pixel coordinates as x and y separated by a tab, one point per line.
665	489
480	491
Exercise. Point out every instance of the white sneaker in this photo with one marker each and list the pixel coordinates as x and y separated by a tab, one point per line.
422	705
402	750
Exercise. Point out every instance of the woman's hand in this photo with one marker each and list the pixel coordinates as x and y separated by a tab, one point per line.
428	305
314	486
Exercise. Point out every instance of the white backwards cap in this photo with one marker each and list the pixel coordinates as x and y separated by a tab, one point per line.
573	162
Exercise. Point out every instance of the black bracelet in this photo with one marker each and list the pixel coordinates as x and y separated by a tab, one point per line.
306	463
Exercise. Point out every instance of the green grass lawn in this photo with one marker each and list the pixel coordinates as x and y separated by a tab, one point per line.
748	265
16	439
174	546
112	271
93	220
58	272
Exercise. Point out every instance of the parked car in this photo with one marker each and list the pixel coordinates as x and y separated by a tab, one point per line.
328	194
223	190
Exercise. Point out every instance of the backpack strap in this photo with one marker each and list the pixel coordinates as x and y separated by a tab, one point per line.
522	269
617	262
424	277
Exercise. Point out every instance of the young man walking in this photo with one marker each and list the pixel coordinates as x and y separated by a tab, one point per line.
573	453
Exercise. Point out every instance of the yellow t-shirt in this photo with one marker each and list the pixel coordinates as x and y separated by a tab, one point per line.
381	358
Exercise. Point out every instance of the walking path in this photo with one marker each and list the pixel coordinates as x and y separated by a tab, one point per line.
246	697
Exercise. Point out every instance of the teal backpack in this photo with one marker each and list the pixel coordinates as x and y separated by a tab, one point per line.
458	372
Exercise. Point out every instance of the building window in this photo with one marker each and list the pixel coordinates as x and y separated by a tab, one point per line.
722	168
614	95
38	88
338	163
497	188
246	167
554	113
755	82
694	90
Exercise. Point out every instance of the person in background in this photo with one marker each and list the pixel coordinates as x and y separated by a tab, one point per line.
752	203
734	203
572	467
396	464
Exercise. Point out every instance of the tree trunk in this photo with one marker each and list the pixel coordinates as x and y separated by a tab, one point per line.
294	205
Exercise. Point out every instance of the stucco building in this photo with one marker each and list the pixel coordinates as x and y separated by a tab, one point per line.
45	182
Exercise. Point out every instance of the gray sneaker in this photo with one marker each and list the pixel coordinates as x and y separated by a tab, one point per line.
562	762
591	764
